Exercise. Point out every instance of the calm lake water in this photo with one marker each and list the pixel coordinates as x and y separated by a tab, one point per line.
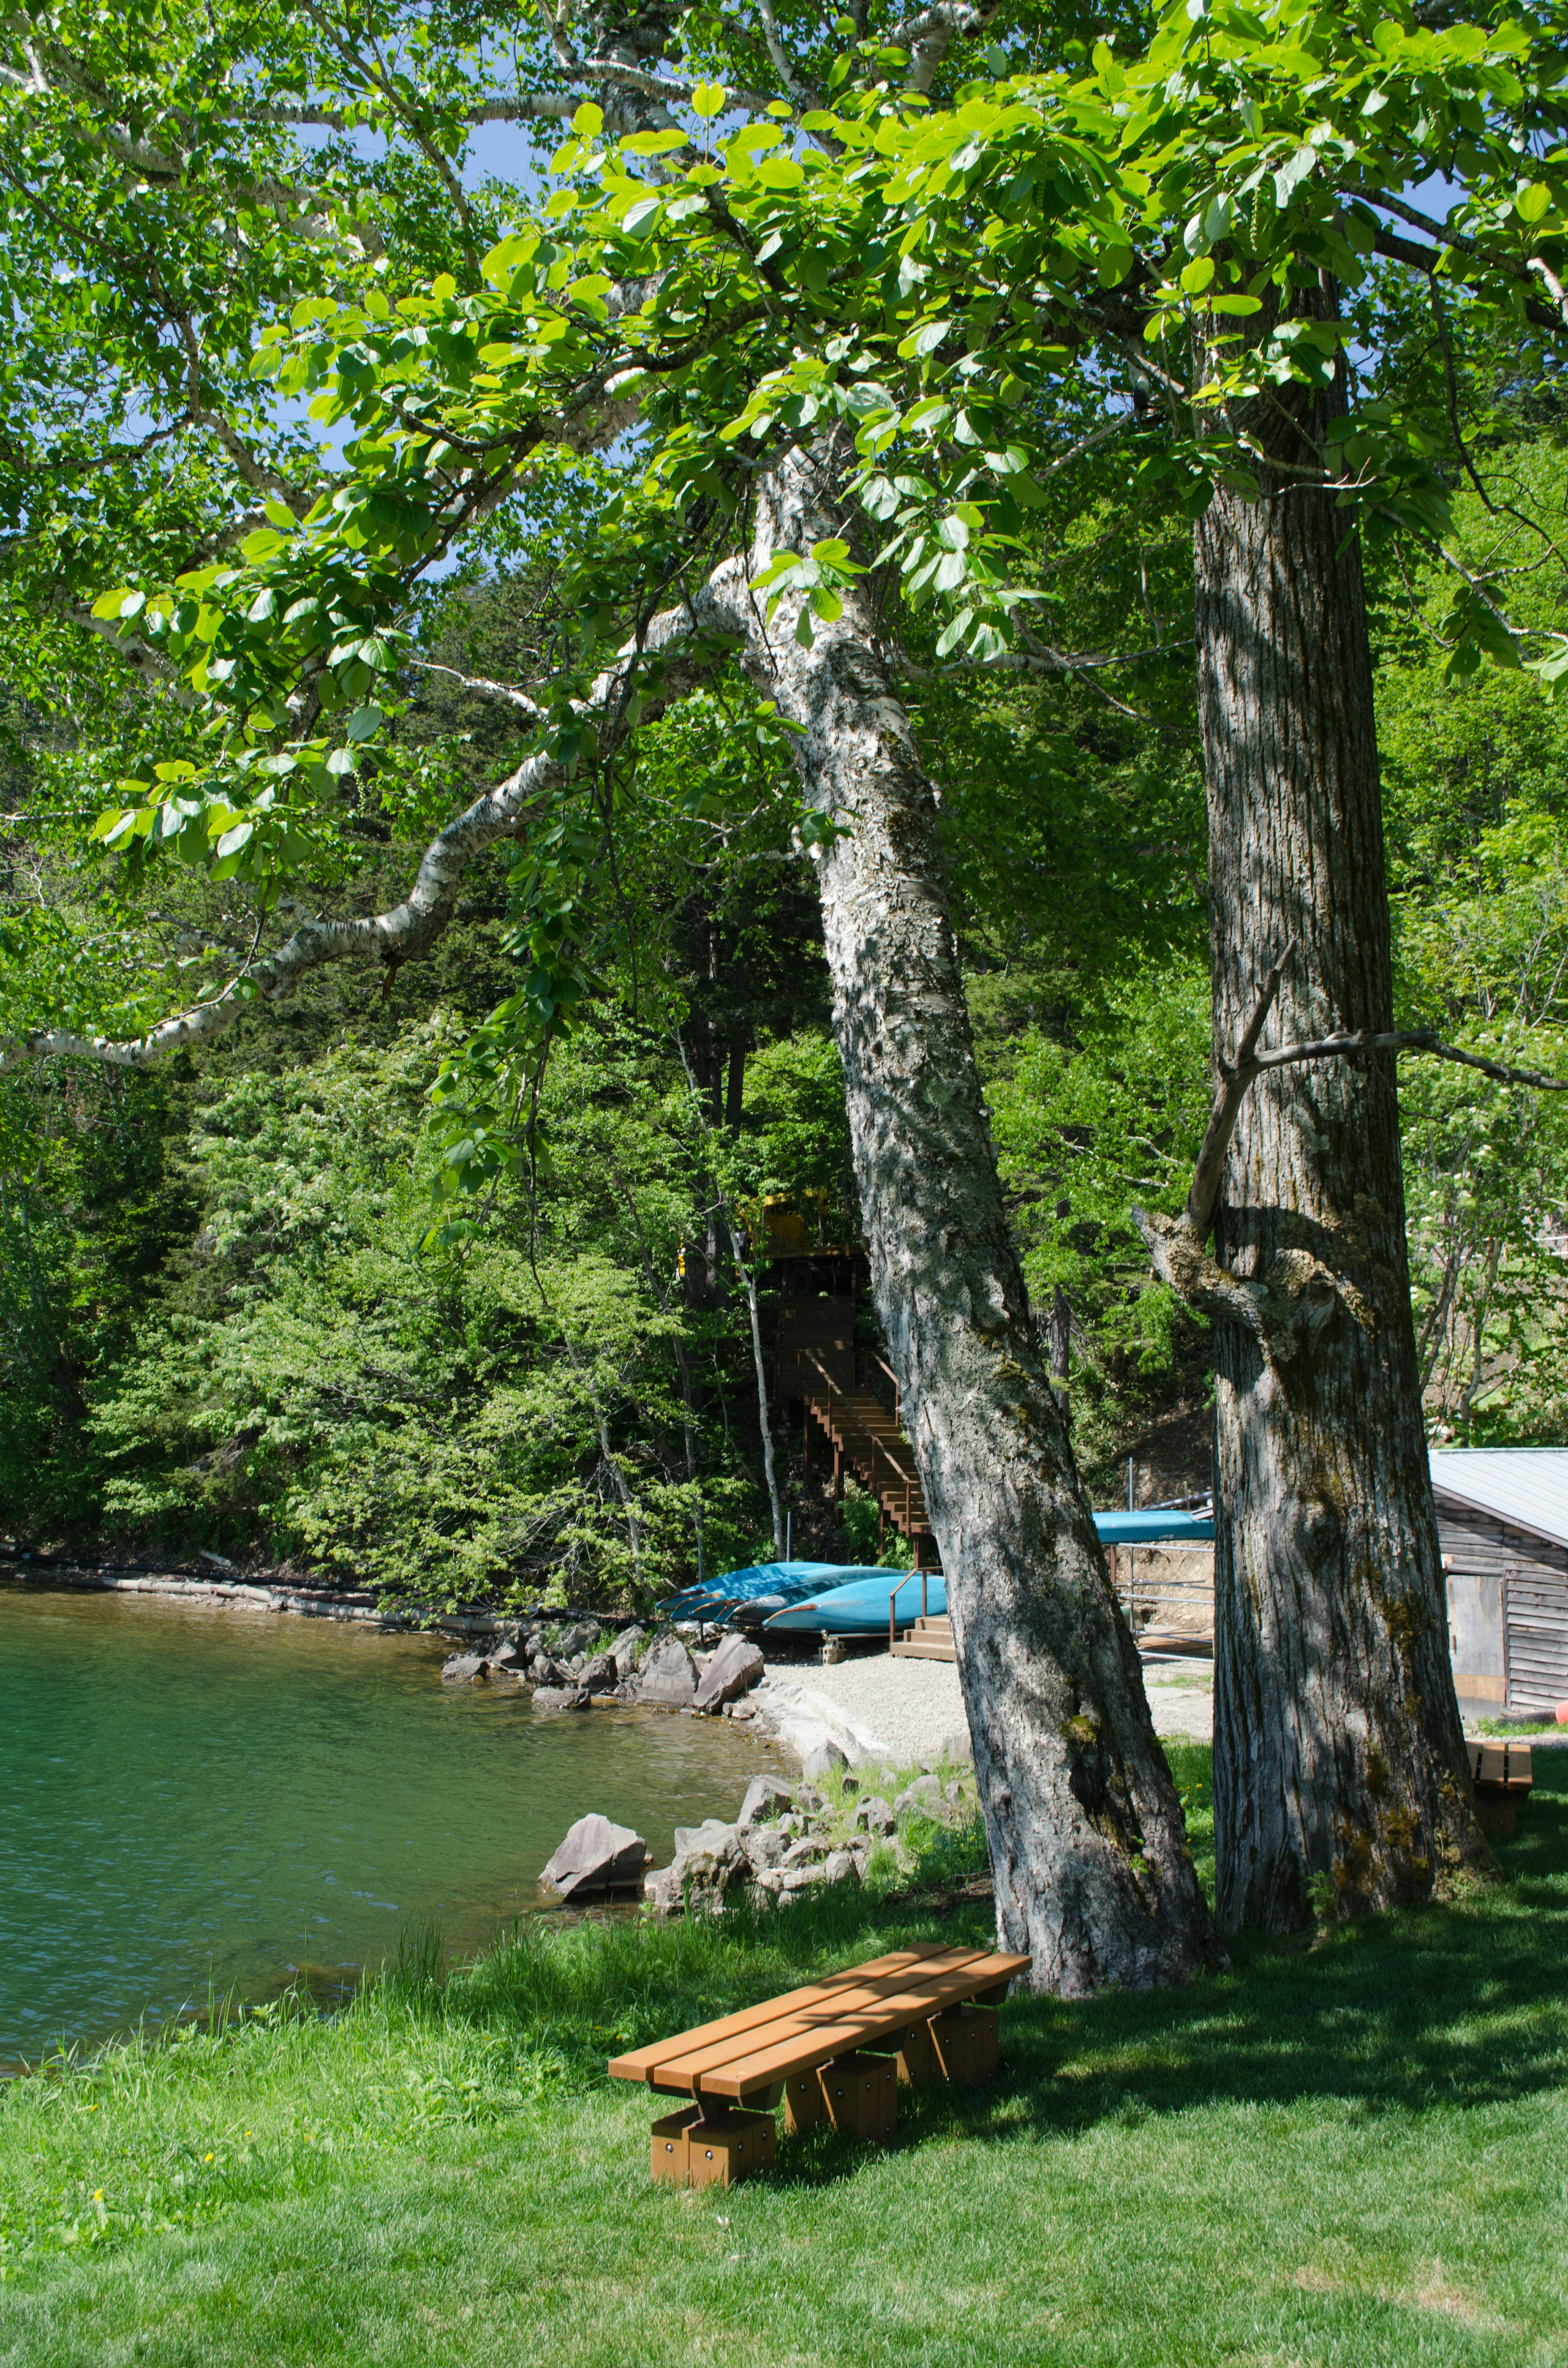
189	1796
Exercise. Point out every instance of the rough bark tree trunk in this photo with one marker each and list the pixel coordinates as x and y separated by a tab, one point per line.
1337	1745
1093	1872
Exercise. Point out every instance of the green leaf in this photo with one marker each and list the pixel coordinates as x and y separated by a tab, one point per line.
707	101
588	121
640	218
1534	202
1197	275
924	340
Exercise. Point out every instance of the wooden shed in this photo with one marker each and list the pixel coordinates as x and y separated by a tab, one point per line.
1502	1521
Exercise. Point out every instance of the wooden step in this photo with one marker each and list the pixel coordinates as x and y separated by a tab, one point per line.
930	1639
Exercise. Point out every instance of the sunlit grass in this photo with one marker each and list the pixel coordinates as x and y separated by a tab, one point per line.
1347	2152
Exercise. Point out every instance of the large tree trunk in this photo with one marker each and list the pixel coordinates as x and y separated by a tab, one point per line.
1093	1872
1337	1746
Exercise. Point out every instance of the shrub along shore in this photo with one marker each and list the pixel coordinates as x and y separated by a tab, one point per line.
1343	2151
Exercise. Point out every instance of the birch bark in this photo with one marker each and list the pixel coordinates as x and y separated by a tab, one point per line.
1093	1876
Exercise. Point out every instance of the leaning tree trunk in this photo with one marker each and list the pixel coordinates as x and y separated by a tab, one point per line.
1337	1746
1093	1872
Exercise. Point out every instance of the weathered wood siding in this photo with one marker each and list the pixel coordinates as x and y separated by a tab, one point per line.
1526	1579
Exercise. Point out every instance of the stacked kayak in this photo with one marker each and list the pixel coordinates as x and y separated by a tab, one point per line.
862	1607
859	1603
748	1597
1155	1529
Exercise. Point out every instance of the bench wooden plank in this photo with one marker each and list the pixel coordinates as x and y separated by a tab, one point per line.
1497	1766
640	2062
739	2035
790	2039
744	2052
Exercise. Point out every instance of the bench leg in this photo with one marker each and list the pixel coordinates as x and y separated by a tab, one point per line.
859	2096
730	2147
804	2104
670	2140
964	2042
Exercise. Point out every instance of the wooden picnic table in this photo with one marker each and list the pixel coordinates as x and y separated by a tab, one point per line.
835	2051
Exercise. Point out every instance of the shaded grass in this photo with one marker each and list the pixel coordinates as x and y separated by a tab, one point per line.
1350	2152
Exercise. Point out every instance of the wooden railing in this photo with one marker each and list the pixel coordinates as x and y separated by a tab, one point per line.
923	1576
841	1410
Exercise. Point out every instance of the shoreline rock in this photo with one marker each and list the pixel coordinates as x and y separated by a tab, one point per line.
595	1856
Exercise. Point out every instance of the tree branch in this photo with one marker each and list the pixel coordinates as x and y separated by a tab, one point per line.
410	928
1293	1297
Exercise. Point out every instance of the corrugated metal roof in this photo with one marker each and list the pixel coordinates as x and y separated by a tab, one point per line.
1525	1486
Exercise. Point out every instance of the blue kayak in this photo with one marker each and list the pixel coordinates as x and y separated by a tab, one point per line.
859	1607
747	1597
1155	1529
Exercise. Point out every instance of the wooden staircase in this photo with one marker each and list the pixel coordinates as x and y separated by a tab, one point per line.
870	1441
929	1640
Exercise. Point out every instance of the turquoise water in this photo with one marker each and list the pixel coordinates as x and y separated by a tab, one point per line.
189	1796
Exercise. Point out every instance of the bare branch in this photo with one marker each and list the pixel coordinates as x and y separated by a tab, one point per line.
482	687
1234	1083
1406	1040
1292	1298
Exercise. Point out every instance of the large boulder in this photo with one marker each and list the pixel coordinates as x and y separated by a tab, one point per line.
561	1698
823	1759
598	1675
664	1890
708	1859
464	1668
626	1648
767	1796
732	1671
667	1674
595	1856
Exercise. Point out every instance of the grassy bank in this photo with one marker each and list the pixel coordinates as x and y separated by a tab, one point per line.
1351	2153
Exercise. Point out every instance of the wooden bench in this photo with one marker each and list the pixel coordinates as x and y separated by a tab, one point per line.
833	2052
1502	1778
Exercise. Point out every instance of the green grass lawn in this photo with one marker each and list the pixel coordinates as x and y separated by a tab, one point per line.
1355	2152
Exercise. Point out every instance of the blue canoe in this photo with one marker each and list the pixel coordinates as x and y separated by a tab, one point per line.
862	1607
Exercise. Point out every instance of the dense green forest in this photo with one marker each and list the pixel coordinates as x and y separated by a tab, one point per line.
243	1309
234	1319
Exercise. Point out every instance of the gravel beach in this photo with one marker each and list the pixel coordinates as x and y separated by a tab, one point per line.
912	1707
